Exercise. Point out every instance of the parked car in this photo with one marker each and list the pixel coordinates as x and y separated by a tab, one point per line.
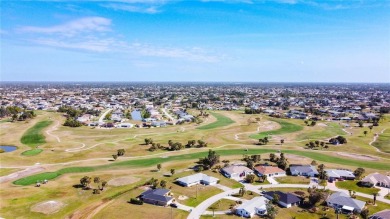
173	205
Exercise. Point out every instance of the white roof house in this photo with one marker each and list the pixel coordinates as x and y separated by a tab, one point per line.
236	171
343	201
337	174
256	205
198	178
377	179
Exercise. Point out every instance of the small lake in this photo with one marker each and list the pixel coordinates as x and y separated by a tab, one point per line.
136	115
7	148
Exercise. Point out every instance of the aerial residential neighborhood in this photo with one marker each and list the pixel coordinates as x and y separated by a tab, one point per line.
177	109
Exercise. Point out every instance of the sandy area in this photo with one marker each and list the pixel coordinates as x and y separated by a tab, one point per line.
322	124
357	156
122	181
20	174
183	197
47	207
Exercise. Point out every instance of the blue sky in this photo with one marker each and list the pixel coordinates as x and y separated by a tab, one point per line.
156	40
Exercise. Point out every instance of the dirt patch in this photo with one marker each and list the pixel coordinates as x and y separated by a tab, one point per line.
122	181
21	174
182	197
358	156
48	207
322	124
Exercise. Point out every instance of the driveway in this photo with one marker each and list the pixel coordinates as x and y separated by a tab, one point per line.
272	180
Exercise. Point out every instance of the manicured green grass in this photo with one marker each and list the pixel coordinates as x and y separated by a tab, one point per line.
221	121
332	129
383	142
32	152
352	185
202	195
50	175
154	161
286	127
293	180
33	136
222	205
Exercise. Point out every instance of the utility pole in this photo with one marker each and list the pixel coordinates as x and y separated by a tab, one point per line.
196	191
171	213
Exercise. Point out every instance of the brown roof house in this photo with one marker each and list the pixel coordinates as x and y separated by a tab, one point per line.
269	171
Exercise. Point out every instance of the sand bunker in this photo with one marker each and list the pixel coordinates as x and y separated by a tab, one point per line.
322	124
357	156
48	207
122	181
183	197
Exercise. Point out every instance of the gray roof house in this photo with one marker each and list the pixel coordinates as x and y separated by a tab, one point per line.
198	178
256	205
385	214
156	197
236	171
286	200
376	179
343	201
303	170
339	174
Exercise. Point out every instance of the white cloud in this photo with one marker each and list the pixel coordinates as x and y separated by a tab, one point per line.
71	28
92	45
132	8
191	54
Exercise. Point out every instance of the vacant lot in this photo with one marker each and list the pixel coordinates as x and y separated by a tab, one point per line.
221	122
33	136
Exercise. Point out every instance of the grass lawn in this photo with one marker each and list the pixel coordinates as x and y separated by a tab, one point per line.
383	142
33	136
154	161
286	127
221	121
4	172
32	152
293	180
222	205
352	185
332	129
204	192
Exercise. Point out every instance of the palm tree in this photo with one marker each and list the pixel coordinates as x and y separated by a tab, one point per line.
375	194
159	167
104	183
365	132
97	181
172	171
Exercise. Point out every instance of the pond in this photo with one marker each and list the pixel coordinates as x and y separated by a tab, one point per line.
136	115
7	148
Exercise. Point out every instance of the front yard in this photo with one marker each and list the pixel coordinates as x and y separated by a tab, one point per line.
352	185
293	180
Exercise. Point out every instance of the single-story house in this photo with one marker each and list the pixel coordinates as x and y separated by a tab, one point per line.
125	125
159	124
376	179
269	171
343	201
256	205
303	170
286	200
157	197
236	171
339	174
385	214
198	178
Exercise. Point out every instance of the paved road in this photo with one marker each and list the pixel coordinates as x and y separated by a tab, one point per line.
202	207
103	116
168	115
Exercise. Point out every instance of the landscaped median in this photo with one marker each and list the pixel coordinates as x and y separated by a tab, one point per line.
194	156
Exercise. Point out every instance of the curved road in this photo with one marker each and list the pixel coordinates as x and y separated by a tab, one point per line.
202	207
